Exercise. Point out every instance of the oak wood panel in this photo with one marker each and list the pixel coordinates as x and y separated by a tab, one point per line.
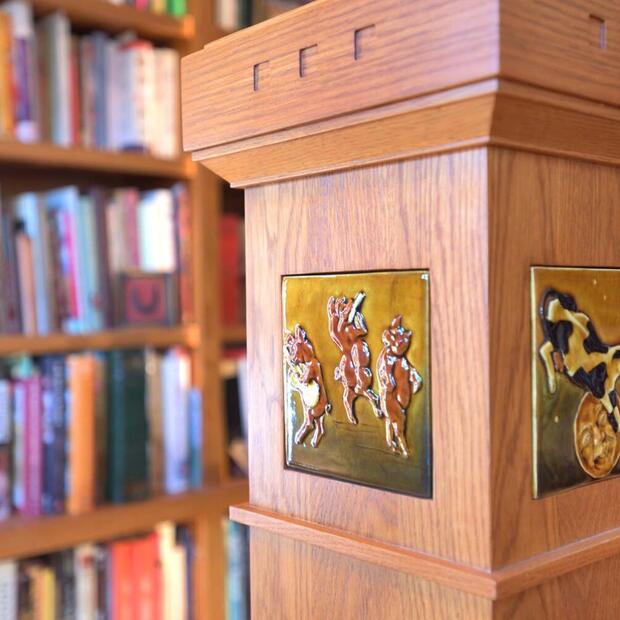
388	556
28	536
556	44
543	211
589	592
52	157
492	112
292	580
116	18
416	47
427	213
121	338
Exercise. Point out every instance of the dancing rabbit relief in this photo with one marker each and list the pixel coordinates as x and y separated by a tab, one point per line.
356	378
576	366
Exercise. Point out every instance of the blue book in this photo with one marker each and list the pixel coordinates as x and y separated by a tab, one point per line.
34	221
54	434
237	580
194	404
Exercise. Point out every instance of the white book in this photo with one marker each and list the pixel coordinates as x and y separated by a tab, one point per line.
8	590
156	231
166	535
167	89
58	56
227	14
6	411
176	374
85	569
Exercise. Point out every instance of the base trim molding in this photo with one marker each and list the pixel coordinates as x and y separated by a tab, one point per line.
491	584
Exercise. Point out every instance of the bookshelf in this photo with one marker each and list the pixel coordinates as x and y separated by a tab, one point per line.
41	165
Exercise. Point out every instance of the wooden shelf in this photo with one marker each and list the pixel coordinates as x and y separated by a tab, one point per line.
22	537
234	335
121	338
98	14
50	156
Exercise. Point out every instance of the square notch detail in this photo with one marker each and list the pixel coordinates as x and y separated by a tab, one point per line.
307	59
362	41
260	73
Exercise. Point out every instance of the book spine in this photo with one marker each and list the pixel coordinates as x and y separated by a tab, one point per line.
7	120
229	261
85	582
81	460
19	438
54	435
183	247
10	278
33	452
104	285
122	582
195	437
100	78
176	379
8	589
6	415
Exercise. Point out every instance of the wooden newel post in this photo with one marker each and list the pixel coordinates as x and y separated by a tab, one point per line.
432	194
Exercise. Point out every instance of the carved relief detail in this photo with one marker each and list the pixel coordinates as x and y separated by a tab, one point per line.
305	376
347	328
398	381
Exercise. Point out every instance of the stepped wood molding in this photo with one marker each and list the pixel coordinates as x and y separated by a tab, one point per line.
473	139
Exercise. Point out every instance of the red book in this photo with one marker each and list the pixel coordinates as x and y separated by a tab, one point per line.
183	229
143	5
122	583
147	578
230	253
33	455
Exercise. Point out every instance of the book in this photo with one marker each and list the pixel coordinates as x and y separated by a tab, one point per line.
231	259
183	251
8	589
54	434
6	82
175	386
85	582
23	64
122	588
33	450
237	577
153	368
156	221
177	8
6	432
56	40
127	426
81	458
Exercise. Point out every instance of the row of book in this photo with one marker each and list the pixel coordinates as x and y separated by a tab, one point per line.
89	428
143	578
234	14
64	254
233	370
232	265
119	93
176	8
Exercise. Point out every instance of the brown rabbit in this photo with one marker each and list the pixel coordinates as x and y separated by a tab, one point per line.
398	380
305	376
347	329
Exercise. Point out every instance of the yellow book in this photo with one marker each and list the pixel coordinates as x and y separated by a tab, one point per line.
6	92
158	6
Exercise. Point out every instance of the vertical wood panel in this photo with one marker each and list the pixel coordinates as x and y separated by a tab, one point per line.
428	213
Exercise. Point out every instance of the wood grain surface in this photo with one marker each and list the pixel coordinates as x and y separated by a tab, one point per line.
429	214
306	582
542	211
416	47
